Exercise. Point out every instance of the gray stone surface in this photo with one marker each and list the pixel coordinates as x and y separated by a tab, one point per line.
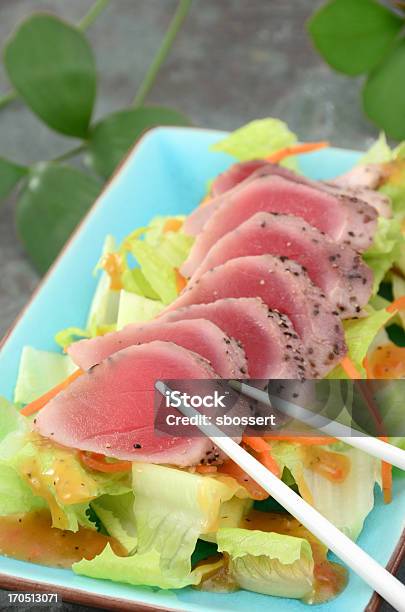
233	61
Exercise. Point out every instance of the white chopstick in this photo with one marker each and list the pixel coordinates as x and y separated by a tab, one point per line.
384	583
373	446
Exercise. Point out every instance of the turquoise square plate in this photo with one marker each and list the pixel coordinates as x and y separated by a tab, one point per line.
166	173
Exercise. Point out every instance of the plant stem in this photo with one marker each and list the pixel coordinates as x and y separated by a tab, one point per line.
10	96
71	153
163	51
83	24
92	14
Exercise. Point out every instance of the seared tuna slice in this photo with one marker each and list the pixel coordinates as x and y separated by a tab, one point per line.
267	336
110	408
336	269
377	200
201	336
249	171
283	285
346	222
369	176
234	175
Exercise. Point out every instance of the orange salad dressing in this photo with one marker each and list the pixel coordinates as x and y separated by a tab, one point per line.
329	578
387	361
333	466
31	537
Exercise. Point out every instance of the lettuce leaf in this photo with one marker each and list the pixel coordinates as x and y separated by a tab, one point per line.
103	312
269	563
157	271
39	372
138	570
359	334
385	250
16	497
388	240
11	422
173	508
134	281
378	153
136	309
241	542
256	140
104	307
394	188
13	430
56	474
398	290
116	513
174	246
231	514
400	262
332	498
67	336
156	228
159	254
381	153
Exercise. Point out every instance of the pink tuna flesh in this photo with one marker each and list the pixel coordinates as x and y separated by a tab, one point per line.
201	336
235	175
336	269
110	409
283	285
249	171
353	225
267	337
351	194
379	201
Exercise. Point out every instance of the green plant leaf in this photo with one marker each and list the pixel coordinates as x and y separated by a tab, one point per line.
353	35
10	174
52	204
113	136
51	65
384	94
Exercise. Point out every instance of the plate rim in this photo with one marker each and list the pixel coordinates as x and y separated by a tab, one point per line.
81	596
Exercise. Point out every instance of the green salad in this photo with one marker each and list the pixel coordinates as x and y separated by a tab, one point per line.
169	526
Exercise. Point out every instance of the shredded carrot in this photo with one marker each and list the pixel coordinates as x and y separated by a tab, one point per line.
206	200
172	225
230	468
263	450
305	147
257	444
39	403
206	469
386	479
112	263
98	462
267	460
181	281
350	369
366	366
397	305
